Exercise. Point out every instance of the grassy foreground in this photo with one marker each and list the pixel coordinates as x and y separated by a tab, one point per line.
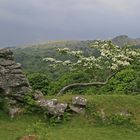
79	127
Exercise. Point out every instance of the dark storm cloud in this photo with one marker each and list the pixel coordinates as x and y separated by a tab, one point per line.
23	22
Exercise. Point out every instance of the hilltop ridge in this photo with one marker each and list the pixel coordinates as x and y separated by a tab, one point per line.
123	40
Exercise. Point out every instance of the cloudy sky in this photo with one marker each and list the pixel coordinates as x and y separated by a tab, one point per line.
29	21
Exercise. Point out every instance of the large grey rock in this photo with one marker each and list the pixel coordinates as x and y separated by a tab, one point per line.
57	109
38	95
13	82
76	109
52	106
61	107
79	101
47	103
78	104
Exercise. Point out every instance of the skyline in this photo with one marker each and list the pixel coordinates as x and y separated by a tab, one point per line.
25	22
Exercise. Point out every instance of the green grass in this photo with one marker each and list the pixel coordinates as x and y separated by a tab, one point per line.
10	129
78	128
110	103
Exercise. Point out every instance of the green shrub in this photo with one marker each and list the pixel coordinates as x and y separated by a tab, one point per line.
118	119
39	81
100	117
39	128
125	82
69	78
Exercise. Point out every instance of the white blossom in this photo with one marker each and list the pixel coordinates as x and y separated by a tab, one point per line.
67	62
111	55
49	59
114	66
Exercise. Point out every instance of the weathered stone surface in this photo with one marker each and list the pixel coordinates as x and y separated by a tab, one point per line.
76	109
12	79
47	103
38	95
61	107
78	104
58	109
52	106
80	101
55	108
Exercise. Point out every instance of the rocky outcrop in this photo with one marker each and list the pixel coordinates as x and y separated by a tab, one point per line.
52	106
56	108
78	104
14	87
13	82
79	101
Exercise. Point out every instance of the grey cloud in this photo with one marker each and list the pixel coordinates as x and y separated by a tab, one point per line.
29	21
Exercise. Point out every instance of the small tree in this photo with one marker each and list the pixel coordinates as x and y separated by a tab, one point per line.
111	58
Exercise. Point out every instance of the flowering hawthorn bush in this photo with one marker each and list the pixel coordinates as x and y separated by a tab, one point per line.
111	57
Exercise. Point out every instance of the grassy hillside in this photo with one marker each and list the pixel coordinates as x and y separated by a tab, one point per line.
80	127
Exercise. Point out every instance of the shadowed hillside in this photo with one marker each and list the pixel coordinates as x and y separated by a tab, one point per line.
123	40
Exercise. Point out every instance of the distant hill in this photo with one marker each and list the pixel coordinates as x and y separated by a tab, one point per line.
123	40
31	56
120	40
